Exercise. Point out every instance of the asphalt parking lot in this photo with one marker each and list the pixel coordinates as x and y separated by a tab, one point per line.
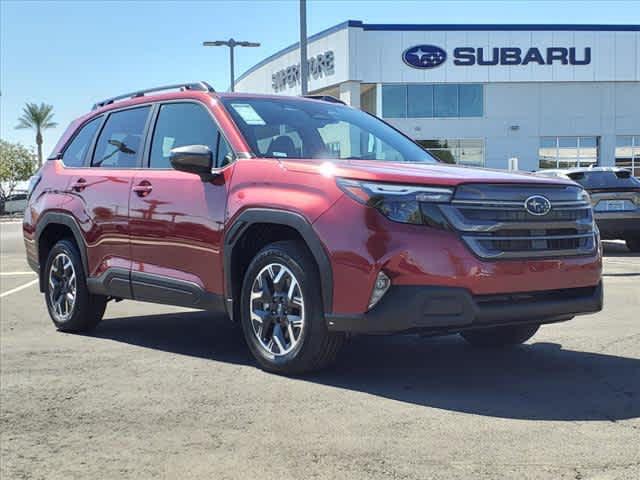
159	392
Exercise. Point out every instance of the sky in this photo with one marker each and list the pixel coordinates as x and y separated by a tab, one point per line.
73	53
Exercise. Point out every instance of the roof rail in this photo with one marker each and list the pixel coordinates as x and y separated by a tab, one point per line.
199	86
325	98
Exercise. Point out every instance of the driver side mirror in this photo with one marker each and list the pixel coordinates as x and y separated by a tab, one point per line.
196	159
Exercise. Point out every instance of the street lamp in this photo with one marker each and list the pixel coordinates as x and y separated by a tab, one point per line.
304	66
231	43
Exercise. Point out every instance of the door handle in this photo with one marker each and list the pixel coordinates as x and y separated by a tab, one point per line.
143	188
79	185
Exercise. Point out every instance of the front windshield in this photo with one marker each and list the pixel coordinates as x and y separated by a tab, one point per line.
290	128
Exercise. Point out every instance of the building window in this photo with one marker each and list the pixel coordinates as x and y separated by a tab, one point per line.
421	101
446	101
470	100
460	151
628	153
429	101
333	149
568	152
394	101
368	94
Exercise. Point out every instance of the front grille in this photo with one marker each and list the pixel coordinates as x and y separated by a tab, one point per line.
493	221
521	215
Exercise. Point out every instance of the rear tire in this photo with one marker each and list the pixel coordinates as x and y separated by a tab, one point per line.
282	314
71	307
500	336
633	244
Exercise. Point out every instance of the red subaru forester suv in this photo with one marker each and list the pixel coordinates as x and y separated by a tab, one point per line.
304	220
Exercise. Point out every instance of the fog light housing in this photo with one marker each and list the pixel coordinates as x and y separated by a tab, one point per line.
380	287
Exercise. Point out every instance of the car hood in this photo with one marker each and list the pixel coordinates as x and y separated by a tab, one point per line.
416	173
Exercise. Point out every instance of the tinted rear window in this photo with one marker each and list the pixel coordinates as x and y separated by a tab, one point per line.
75	153
612	180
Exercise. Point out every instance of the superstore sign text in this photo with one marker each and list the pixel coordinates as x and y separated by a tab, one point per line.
319	66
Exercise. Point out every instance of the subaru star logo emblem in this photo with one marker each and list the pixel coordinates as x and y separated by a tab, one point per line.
424	56
537	205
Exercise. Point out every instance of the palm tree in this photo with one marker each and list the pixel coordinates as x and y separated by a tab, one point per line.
38	118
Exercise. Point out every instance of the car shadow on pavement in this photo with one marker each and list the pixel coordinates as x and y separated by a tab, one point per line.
538	381
196	333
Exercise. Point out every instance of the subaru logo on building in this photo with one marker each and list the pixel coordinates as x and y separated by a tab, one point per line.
537	205
424	56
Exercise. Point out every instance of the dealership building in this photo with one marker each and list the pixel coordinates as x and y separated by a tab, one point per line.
545	95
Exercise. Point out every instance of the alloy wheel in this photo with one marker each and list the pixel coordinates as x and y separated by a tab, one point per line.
62	287
277	309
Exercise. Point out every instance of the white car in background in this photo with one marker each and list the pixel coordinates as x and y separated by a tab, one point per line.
15	203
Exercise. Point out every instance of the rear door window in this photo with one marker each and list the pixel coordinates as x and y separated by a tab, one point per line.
75	153
121	140
178	125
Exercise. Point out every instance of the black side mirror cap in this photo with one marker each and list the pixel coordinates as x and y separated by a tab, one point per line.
196	159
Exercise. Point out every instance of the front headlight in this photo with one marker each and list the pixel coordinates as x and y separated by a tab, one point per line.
400	203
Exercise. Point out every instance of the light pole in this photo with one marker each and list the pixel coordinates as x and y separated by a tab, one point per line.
304	67
231	43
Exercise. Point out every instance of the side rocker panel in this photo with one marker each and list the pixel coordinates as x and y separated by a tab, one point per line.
118	282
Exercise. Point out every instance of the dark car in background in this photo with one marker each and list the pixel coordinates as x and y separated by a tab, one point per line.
615	197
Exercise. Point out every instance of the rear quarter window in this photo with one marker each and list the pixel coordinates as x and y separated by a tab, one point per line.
75	154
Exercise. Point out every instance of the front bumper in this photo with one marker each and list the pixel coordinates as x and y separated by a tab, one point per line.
406	309
361	242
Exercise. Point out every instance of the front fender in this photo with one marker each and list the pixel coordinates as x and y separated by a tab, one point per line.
293	220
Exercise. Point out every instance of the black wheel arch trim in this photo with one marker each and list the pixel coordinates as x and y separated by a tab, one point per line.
58	218
287	218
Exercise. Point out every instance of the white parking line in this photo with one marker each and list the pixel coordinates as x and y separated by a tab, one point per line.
9	274
17	289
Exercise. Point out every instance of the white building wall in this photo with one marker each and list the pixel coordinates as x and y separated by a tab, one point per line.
603	109
260	80
600	99
615	56
376	57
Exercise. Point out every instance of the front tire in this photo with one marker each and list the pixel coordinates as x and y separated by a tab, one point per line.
633	244
71	307
500	336
281	311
